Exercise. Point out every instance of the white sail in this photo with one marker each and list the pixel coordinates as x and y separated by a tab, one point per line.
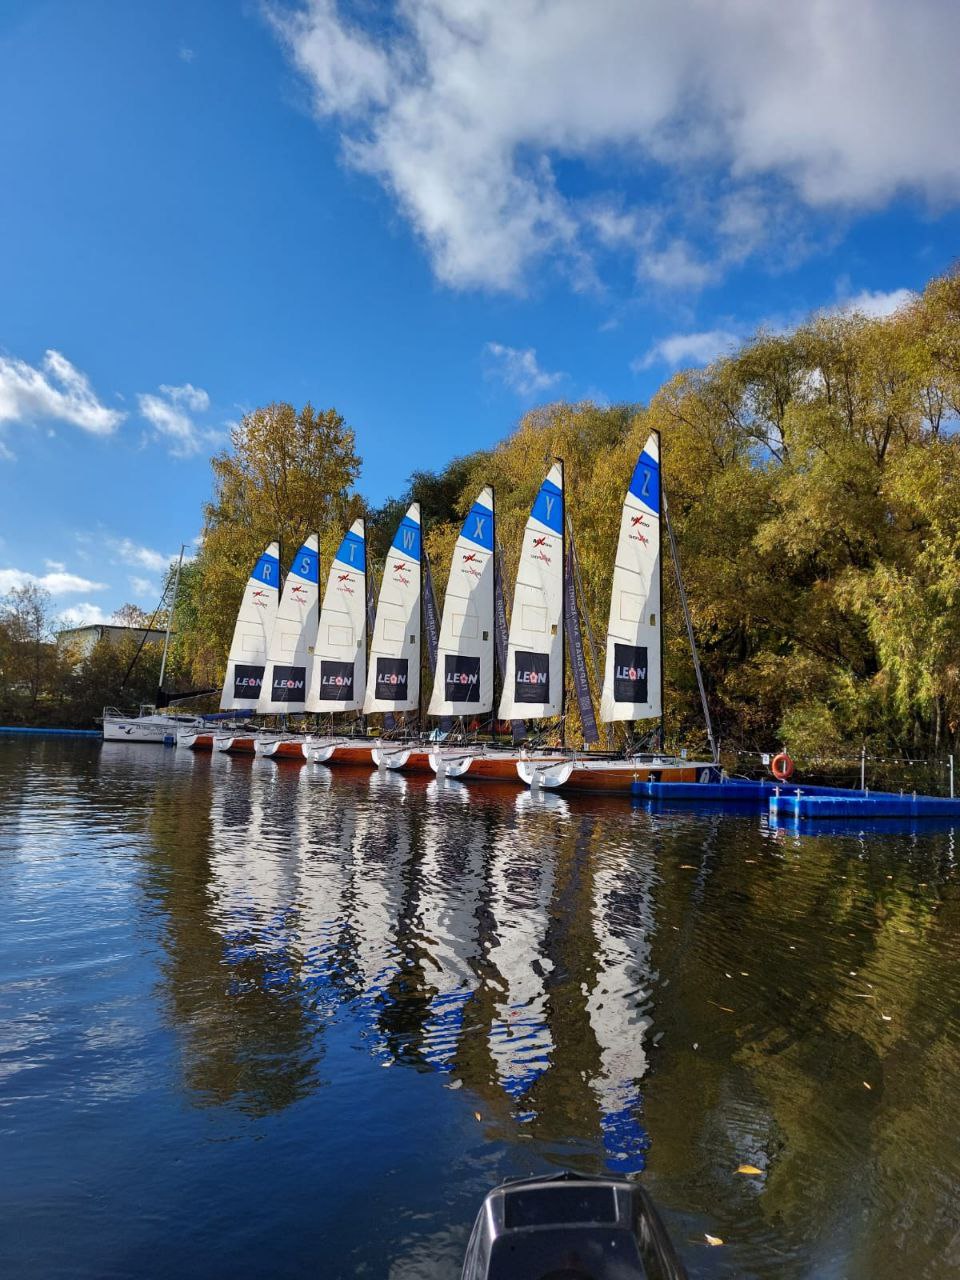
291	646
533	681
631	678
463	683
251	635
394	680
339	677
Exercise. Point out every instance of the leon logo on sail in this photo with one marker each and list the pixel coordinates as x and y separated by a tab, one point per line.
247	681
336	681
532	677
630	673
288	683
391	680
462	678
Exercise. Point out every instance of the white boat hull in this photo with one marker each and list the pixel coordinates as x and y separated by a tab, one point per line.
155	729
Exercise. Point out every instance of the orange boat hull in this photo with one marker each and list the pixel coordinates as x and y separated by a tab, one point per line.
491	769
202	742
619	780
288	751
242	747
352	755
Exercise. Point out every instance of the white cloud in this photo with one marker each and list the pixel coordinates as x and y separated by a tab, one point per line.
57	582
83	615
143	586
185	54
520	370
727	117
876	304
688	349
170	414
57	389
56	565
132	553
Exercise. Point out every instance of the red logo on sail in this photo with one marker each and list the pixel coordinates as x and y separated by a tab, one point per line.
539	553
260	598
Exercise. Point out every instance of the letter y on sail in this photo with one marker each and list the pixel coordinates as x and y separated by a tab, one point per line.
251	635
291	646
339	678
631	680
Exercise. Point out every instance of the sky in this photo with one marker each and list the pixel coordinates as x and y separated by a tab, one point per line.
432	215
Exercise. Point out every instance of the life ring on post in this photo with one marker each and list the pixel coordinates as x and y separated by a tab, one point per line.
781	766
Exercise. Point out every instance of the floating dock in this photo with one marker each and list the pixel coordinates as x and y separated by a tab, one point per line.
732	791
860	806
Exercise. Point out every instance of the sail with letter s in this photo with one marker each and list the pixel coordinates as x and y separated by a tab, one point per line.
393	682
463	681
339	675
251	635
533	679
632	677
290	655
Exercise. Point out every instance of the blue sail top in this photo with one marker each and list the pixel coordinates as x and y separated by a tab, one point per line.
548	506
478	527
353	552
267	570
407	538
645	482
306	564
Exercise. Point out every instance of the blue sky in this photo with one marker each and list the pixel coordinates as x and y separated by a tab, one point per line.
430	216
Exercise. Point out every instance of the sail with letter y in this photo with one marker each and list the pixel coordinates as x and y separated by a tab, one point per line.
339	676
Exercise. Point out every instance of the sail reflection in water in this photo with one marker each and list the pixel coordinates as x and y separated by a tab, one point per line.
428	912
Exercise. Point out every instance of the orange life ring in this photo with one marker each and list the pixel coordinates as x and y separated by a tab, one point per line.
781	766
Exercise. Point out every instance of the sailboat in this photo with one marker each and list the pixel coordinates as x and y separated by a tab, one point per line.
290	653
633	670
533	659
339	677
394	673
463	676
256	618
151	725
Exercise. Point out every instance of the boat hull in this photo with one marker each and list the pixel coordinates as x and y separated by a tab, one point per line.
275	747
195	740
237	744
155	729
605	776
338	751
480	765
409	758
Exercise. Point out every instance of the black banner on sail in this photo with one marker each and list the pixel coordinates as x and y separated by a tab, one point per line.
578	660
336	681
289	683
461	678
501	635
247	681
431	625
391	679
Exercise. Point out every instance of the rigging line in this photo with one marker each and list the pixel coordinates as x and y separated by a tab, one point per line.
689	624
146	633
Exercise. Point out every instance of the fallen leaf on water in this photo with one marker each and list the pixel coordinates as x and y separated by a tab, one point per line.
687	866
867	1086
744	973
477	1115
721	1006
750	1169
886	1017
714	1240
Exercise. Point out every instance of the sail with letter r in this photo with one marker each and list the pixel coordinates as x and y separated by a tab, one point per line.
251	634
393	680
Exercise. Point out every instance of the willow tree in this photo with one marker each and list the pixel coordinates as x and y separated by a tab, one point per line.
288	473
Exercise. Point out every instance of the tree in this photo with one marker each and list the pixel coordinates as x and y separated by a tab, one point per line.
29	662
289	473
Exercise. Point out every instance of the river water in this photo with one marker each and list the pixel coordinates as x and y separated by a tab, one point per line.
260	1020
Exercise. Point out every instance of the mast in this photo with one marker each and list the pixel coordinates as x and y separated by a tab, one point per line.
166	638
563	607
663	717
